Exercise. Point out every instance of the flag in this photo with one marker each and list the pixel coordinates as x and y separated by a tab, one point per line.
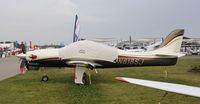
76	29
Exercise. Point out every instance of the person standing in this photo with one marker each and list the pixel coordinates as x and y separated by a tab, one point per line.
23	66
23	48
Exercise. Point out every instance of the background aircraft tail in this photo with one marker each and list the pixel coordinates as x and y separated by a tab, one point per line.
172	43
76	29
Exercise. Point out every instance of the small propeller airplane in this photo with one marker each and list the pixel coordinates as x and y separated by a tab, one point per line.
88	55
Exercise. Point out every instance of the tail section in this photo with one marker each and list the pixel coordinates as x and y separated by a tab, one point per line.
172	43
76	29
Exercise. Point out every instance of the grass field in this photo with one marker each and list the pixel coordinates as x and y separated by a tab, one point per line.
60	89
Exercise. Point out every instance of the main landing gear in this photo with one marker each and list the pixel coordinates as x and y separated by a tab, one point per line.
82	75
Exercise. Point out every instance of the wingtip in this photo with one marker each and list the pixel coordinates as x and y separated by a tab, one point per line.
121	79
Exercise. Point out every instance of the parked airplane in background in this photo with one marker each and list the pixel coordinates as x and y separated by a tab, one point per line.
147	48
7	45
9	48
135	50
153	46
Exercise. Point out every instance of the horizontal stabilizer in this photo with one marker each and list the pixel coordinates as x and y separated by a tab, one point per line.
176	88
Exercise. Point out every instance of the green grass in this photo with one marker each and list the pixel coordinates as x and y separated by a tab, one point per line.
60	89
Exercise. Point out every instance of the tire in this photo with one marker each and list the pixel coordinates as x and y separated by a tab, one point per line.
85	80
45	78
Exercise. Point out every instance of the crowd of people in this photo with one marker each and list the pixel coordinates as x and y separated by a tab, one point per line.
6	51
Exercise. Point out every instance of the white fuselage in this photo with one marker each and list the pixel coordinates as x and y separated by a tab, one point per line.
97	54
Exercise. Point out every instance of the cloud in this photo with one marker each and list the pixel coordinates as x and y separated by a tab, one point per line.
92	19
45	21
35	19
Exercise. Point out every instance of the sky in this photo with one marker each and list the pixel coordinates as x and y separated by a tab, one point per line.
52	21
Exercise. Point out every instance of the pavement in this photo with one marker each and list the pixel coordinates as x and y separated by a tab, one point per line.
9	67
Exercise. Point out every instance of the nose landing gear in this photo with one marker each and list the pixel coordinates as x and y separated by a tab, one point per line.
45	78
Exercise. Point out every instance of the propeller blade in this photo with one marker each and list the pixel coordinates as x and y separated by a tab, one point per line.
23	66
21	56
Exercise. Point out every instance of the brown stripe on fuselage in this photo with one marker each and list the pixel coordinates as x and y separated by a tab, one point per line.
143	56
48	62
121	61
146	61
146	56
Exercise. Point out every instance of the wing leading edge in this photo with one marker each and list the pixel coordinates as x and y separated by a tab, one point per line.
171	87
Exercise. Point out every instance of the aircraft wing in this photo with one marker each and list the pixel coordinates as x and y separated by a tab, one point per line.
176	88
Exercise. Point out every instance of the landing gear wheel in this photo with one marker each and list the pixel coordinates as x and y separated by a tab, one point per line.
45	78
85	79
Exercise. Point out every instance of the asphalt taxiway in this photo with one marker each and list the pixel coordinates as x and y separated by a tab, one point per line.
9	67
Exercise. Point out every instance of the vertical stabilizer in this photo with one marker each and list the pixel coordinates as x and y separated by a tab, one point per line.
172	43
